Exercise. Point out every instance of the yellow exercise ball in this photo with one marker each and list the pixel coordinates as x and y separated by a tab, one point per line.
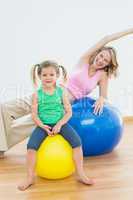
54	158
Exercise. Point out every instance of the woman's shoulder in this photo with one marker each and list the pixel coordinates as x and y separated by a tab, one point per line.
82	64
103	75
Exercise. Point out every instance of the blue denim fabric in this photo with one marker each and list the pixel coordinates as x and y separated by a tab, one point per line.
39	134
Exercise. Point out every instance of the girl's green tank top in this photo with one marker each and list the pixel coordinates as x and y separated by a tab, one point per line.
50	107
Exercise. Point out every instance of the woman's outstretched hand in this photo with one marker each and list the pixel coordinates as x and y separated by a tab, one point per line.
98	106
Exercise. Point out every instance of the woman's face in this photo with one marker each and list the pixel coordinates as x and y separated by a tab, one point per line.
102	59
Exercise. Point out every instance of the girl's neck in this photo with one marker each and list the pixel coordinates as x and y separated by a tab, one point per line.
49	89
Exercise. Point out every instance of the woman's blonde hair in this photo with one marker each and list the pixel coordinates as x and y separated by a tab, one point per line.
37	70
112	68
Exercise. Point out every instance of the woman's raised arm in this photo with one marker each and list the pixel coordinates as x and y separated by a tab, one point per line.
109	38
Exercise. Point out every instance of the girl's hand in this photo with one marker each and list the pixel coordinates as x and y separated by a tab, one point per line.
98	106
56	129
48	129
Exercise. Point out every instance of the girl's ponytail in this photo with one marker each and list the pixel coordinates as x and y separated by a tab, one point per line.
34	70
64	72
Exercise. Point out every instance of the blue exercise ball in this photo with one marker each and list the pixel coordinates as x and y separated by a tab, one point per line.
99	133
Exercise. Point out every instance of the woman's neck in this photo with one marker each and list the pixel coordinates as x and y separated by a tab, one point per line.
92	70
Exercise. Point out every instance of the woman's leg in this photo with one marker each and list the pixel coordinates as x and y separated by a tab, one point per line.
33	145
1	154
72	137
9	112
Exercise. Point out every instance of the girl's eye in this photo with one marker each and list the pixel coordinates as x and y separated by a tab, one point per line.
44	75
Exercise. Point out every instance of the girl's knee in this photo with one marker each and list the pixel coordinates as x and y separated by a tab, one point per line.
75	141
77	144
32	146
31	151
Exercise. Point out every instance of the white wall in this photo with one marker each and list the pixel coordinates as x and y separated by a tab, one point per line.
34	30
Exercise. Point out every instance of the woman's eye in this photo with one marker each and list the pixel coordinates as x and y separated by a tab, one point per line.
105	60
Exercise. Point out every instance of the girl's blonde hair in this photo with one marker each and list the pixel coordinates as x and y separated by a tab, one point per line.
37	70
112	68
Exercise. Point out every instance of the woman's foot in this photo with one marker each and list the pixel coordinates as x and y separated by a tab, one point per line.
2	154
85	180
26	184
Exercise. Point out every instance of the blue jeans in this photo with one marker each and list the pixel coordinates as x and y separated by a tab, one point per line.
39	134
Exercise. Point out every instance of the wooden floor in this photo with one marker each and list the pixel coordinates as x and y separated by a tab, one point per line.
113	173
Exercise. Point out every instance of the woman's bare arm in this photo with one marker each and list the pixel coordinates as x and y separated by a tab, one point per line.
103	42
103	86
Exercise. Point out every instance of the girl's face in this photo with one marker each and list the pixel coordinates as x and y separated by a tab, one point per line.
102	59
48	76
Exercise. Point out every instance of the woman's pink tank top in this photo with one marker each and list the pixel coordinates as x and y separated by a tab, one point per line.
80	84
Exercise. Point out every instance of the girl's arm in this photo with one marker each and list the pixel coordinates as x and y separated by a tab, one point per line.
34	112
103	42
67	107
68	113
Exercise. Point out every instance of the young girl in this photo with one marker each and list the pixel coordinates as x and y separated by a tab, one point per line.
51	111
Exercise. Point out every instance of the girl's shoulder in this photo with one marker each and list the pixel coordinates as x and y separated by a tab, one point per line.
38	90
63	89
60	89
